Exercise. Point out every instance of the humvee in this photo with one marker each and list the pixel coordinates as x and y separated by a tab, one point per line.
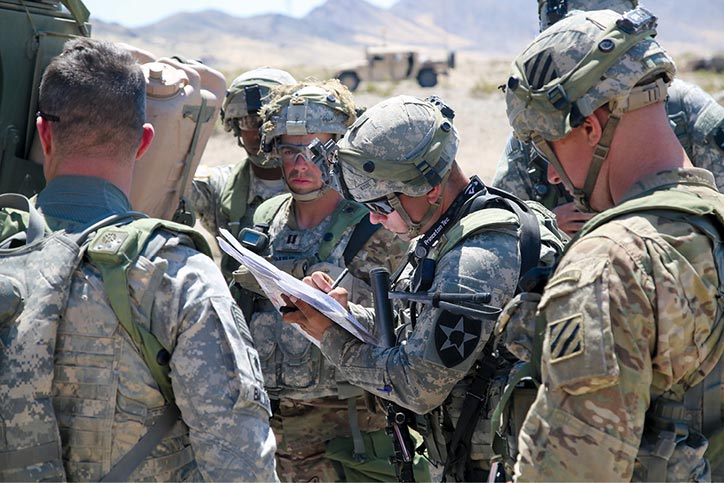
390	63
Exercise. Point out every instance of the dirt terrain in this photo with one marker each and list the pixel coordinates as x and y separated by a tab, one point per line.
470	89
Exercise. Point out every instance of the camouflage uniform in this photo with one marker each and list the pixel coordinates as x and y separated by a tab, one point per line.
213	186
695	116
313	399
631	315
436	362
227	196
104	395
310	392
587	424
697	120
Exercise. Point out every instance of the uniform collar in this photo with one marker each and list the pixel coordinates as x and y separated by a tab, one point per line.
669	178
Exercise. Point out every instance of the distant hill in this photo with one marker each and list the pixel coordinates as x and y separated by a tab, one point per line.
337	30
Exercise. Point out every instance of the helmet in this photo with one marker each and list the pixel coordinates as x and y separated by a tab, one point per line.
401	145
551	11
581	63
307	108
246	96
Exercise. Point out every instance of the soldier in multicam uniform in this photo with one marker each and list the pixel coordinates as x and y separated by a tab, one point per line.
399	160
91	124
631	317
697	120
313	228
227	196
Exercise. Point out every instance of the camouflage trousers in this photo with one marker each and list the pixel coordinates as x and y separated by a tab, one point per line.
304	429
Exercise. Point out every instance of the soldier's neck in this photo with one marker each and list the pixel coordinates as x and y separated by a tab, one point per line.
311	213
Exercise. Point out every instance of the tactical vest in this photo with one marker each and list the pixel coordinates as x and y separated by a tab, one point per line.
43	392
493	210
292	366
673	427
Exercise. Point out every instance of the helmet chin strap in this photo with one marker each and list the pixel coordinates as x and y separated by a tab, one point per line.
308	197
415	228
582	196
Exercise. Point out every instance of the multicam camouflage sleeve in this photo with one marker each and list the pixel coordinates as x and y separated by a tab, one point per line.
206	189
215	373
618	294
421	373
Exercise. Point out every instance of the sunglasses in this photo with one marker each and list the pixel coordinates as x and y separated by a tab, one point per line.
379	206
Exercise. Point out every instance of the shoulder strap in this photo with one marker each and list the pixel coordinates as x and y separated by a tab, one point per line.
481	216
362	232
113	251
35	225
346	214
266	211
234	197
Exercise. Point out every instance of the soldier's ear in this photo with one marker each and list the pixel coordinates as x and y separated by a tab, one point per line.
148	133
433	194
44	134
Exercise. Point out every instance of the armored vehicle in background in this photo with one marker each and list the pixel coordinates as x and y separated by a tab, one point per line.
393	64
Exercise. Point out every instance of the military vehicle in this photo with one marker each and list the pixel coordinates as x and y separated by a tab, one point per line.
394	63
33	32
715	63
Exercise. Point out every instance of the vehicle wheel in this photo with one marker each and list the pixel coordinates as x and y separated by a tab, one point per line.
349	79
427	78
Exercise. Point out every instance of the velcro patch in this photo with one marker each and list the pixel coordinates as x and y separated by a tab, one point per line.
566	338
456	337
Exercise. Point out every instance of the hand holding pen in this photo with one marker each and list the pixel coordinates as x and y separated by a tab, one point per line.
323	282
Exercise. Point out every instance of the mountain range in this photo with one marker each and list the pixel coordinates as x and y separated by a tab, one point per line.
337	30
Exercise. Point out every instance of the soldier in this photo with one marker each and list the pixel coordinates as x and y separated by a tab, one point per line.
399	160
697	120
227	196
106	398
313	228
632	321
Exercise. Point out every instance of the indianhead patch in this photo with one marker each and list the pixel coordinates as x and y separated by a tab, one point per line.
455	337
566	338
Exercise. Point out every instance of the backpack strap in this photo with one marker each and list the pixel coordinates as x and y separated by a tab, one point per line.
113	250
35	227
346	214
234	196
362	232
267	211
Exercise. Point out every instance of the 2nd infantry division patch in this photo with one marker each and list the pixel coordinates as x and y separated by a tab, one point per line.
566	338
455	338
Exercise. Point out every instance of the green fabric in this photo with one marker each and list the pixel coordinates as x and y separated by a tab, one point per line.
378	446
266	211
112	251
11	223
487	219
234	197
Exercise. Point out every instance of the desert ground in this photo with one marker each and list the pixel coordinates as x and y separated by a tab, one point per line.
471	89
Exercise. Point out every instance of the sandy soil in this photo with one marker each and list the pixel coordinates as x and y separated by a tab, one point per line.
470	89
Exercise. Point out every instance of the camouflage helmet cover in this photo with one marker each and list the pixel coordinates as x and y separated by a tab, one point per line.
551	11
581	63
235	104
401	145
307	108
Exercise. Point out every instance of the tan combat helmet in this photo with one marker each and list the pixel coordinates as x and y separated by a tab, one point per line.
401	145
583	62
306	108
551	11
245	97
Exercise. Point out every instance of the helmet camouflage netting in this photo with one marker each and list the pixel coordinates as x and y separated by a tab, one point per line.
401	145
307	108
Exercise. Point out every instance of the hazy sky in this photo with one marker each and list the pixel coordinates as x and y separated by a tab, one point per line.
133	13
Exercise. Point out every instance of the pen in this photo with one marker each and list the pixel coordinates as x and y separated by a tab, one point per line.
339	279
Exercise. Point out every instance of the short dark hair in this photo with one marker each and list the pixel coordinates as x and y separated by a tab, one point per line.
94	93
